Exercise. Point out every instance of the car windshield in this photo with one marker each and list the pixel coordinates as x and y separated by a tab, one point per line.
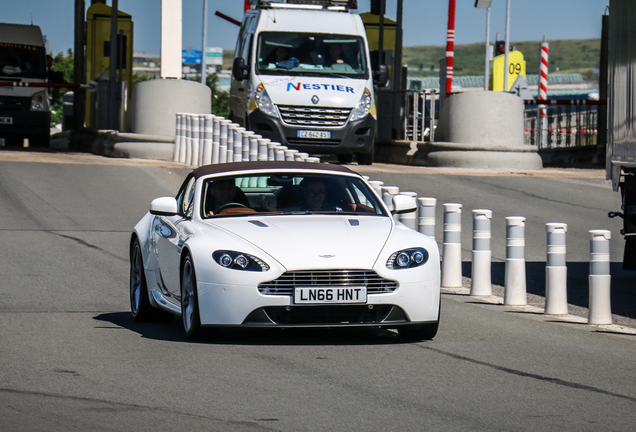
22	61
288	193
280	53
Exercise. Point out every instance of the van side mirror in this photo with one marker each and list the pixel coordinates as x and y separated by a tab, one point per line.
381	76
240	70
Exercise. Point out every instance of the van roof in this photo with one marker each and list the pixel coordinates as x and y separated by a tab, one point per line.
310	21
21	34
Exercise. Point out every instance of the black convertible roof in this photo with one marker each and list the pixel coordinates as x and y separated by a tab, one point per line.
279	165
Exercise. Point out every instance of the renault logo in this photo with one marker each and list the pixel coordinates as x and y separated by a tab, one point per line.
315	99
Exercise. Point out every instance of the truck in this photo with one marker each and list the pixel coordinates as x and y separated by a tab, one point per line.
301	76
24	110
621	119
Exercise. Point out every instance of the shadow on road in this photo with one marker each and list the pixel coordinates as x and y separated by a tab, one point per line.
173	332
623	291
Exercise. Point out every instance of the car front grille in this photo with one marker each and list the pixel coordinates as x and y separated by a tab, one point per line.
314	116
285	284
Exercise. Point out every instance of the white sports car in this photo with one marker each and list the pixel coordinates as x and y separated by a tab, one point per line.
283	244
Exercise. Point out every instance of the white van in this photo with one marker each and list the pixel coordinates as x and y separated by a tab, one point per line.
24	111
301	77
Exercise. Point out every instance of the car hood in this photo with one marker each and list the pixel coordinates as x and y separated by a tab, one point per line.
329	91
313	241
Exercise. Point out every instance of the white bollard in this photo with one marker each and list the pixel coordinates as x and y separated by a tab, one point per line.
279	154
452	247
188	152
223	140
388	192
377	187
301	157
246	145
262	149
410	219
515	277
177	139
290	154
216	139
313	159
238	144
182	148
481	281
206	136
600	308
196	142
426	216
230	142
253	152
271	150
556	271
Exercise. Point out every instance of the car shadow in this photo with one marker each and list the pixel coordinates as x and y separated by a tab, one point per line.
172	331
623	295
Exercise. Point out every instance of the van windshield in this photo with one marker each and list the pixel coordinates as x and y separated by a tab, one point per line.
22	61
311	54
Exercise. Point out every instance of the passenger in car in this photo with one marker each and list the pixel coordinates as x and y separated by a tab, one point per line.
314	196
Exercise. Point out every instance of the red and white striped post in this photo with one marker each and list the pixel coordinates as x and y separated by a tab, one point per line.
543	92
450	46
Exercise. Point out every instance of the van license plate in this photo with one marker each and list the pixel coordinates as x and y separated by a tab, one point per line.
6	120
346	294
314	134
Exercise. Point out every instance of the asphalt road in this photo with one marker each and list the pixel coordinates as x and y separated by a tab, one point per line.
72	358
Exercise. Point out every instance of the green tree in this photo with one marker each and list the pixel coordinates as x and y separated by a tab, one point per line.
64	64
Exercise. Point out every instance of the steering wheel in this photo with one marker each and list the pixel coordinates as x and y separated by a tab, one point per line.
229	205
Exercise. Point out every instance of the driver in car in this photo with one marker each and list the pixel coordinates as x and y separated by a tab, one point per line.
222	192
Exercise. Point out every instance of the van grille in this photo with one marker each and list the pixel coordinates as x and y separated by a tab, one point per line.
285	284
314	116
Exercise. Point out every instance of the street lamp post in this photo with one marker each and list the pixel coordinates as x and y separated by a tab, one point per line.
485	4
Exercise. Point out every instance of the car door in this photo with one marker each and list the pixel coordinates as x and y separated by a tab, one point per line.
169	234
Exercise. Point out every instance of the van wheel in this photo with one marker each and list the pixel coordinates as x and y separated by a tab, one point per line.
365	158
39	141
345	159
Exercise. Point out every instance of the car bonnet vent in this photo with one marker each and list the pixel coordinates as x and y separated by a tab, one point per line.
259	223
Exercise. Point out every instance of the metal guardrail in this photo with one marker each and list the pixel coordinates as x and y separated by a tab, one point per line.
406	114
562	123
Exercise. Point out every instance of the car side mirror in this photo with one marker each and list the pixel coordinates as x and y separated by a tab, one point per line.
165	206
404	204
381	76
240	71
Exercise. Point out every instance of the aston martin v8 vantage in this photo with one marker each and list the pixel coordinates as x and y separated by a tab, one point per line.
283	244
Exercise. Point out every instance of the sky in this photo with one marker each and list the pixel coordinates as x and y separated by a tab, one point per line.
425	21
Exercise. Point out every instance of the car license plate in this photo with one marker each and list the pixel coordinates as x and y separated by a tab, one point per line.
314	134
6	120
349	294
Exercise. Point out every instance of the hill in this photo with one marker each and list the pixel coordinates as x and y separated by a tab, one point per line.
566	56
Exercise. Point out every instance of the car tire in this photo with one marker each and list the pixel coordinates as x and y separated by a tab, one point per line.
420	332
345	159
190	301
140	306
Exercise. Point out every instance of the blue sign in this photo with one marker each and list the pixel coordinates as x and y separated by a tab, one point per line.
191	56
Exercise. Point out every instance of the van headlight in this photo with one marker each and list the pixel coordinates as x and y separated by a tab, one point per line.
264	103
39	101
364	106
407	258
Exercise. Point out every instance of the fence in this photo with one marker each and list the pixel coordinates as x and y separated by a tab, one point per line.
563	123
406	114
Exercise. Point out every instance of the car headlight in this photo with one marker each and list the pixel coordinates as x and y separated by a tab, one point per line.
263	102
239	261
364	106
407	258
39	101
